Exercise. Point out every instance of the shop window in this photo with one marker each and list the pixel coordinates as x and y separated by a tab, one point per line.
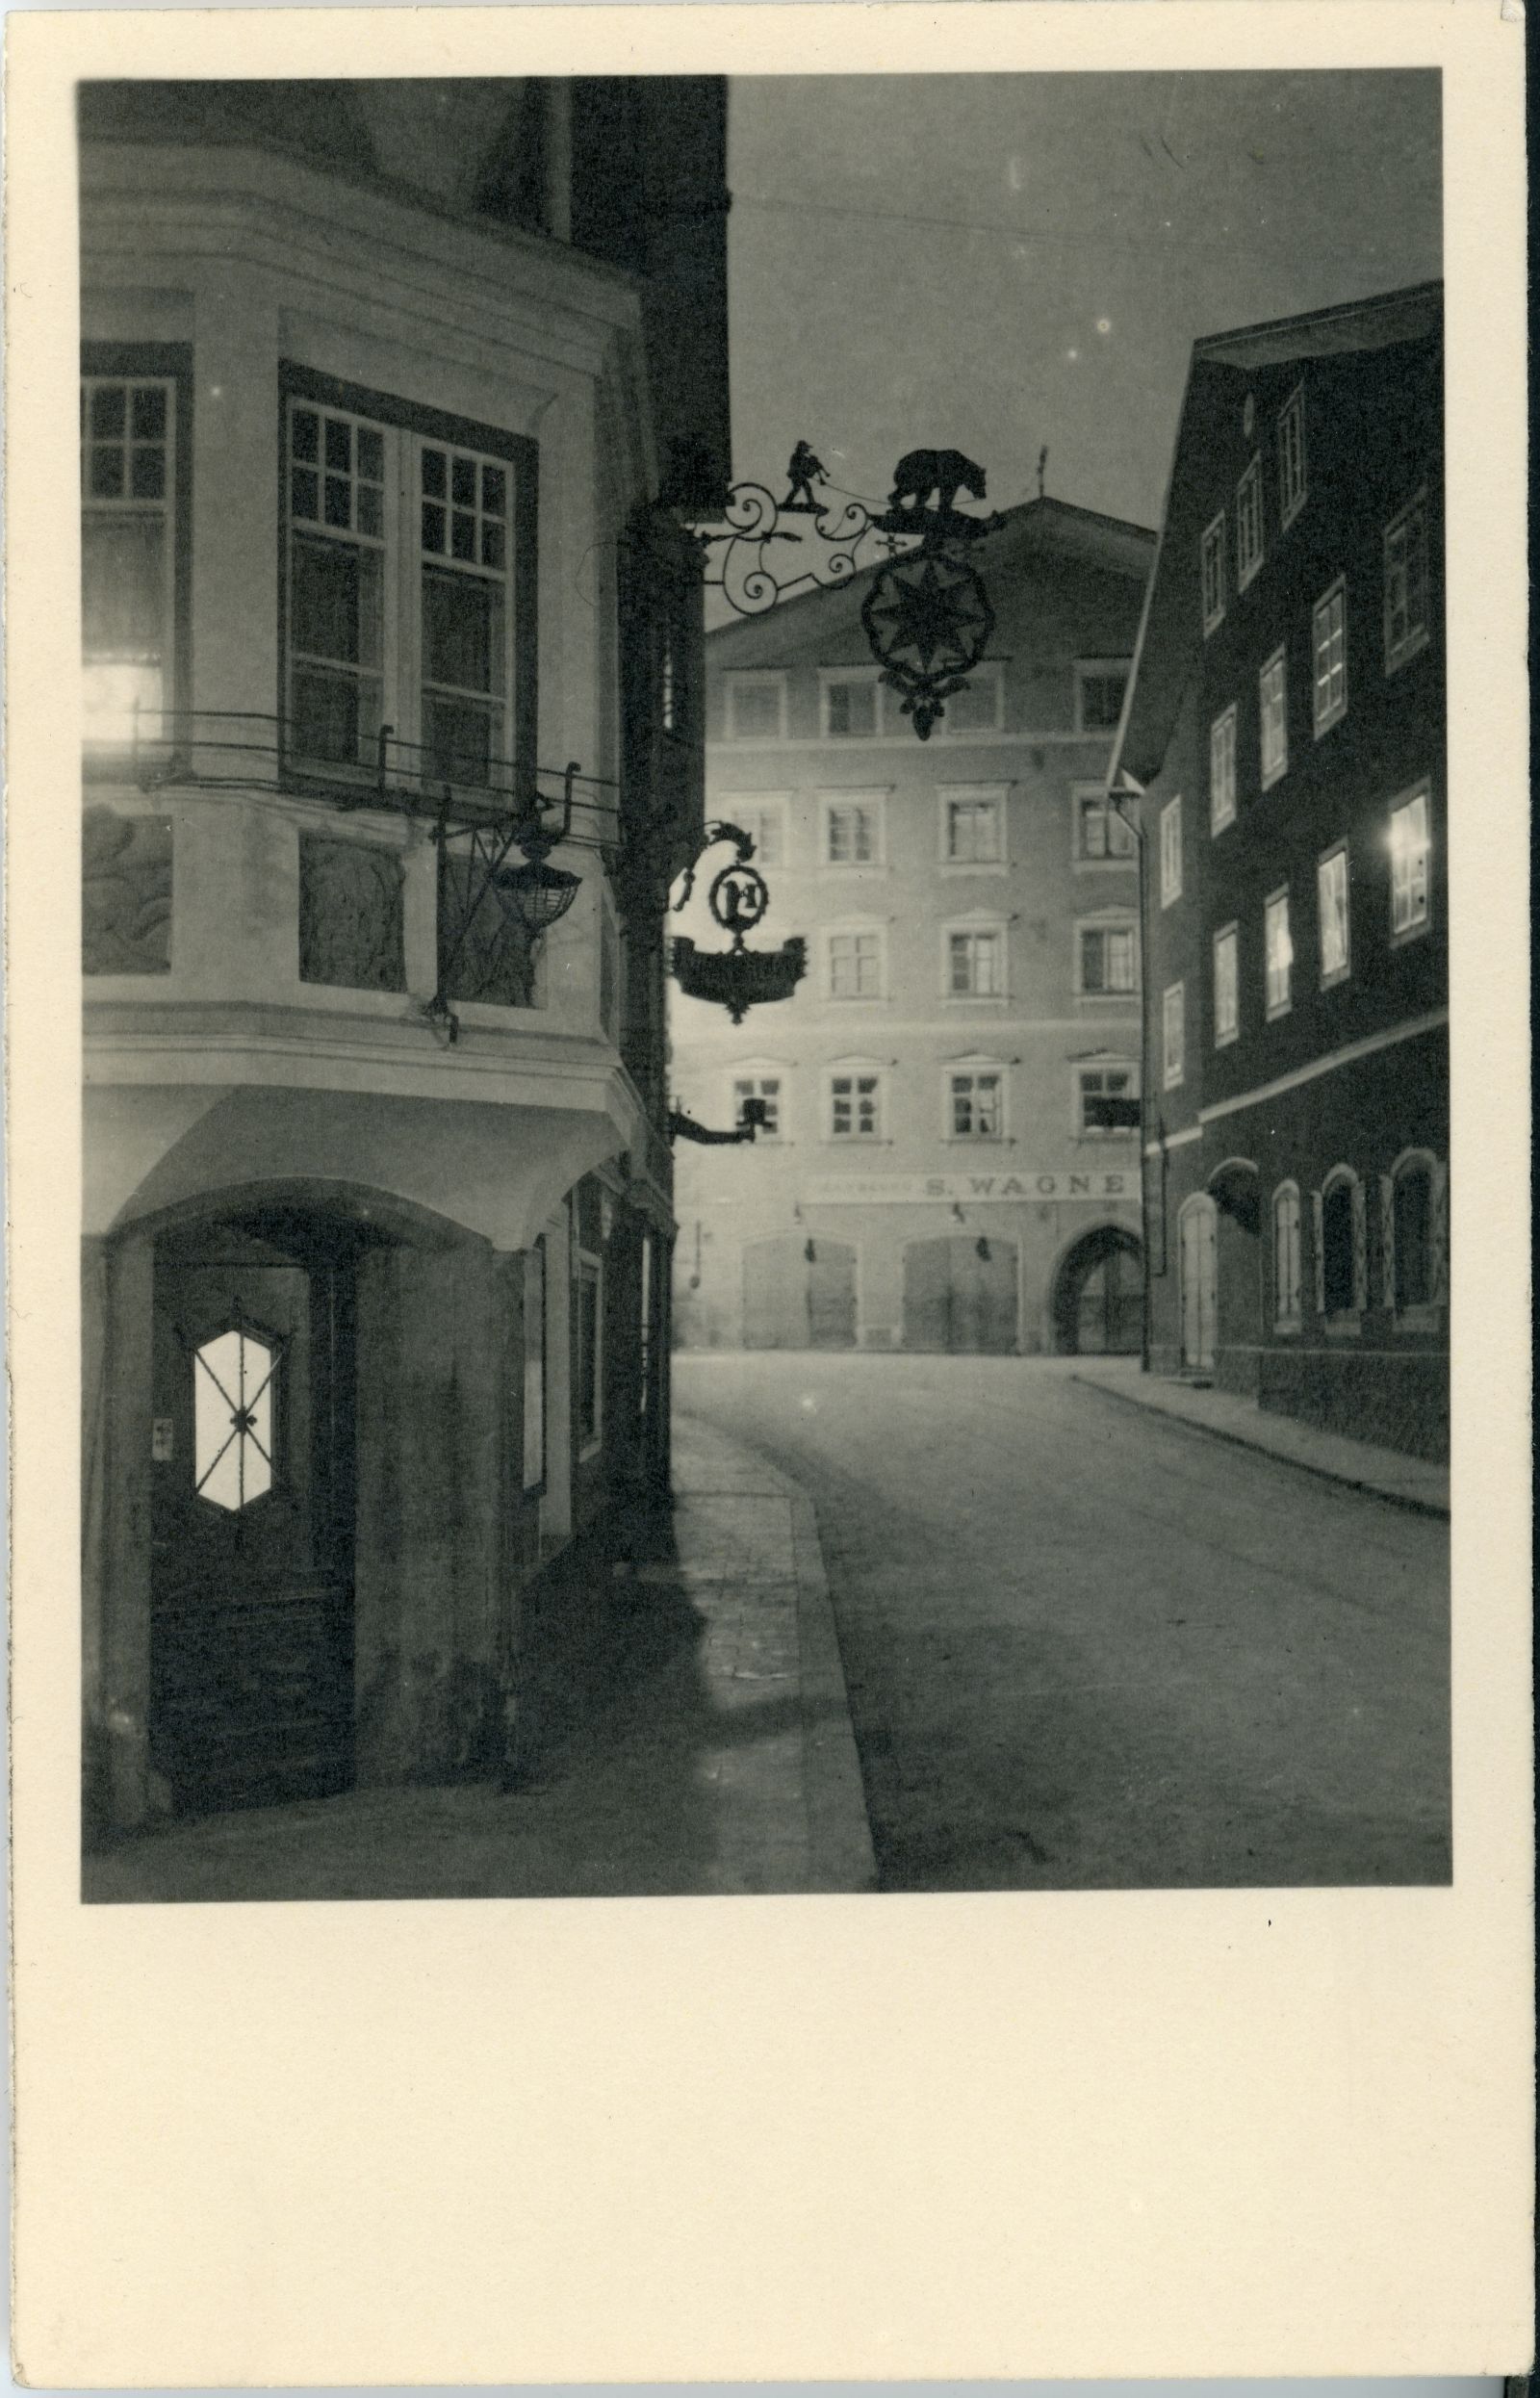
233	1405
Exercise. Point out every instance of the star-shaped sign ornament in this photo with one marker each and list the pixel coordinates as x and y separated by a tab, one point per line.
929	620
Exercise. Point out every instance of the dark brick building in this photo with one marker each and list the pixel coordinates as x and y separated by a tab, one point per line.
1286	728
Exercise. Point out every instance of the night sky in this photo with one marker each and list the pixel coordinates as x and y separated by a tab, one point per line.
1123	216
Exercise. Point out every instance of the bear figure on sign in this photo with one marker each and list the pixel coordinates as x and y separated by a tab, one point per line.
945	472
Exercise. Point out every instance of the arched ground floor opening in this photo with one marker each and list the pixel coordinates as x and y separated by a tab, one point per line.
1098	1296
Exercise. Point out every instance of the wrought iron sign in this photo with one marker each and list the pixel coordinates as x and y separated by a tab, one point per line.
736	978
755	1119
927	616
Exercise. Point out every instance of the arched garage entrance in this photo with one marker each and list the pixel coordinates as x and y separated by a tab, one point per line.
1099	1297
960	1294
799	1293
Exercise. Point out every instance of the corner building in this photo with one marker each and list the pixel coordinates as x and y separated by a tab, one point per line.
381	385
1286	723
952	1157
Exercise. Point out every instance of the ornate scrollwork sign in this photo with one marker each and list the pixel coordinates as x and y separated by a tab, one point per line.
736	978
927	615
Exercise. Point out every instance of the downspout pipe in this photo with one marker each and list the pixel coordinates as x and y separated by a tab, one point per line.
1127	796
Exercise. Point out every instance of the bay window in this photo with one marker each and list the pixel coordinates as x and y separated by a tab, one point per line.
133	538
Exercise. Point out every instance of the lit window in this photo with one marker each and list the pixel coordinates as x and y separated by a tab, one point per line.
1221	770
1406	585
1173	1035
852	706
1106	1101
1408	865
853	833
534	1365
1331	901
756	707
766	1089
976	1109
589	1299
976	965
1292	456
1273	693
855	1107
1279	955
1329	652
127	448
977	708
1170	852
1248	524
1226	986
1100	684
854	966
973	830
1108	960
233	1394
363	497
1212	571
1101	830
1286	1282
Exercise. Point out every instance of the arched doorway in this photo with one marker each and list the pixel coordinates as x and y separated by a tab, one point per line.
1099	1297
1235	1189
1199	1282
799	1292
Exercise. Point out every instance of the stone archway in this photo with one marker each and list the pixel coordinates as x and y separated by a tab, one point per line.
1098	1296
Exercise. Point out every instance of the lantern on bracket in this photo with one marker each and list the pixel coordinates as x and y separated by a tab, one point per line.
736	978
531	897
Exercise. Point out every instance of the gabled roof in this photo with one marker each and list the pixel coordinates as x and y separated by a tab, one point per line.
822	622
1170	636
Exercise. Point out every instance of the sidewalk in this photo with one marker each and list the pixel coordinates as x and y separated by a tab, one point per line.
1386	1473
730	1767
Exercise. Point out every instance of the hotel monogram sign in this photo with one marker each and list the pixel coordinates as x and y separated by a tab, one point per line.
907	1190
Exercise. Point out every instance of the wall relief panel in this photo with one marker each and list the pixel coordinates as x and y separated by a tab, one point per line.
126	870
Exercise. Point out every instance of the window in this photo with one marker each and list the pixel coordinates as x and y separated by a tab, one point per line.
1329	651
1332	902
1102	832
1248	524
975	962
128	436
1286	1285
755	708
1292	456
1173	1035
978	707
852	708
973	828
764	820
398	601
1278	953
1226	986
1100	683
1413	1242
1213	573
1343	1276
1107	959
1221	770
535	1366
766	1089
976	1104
1408	865
234	1391
589	1311
1170	852
1105	1101
856	1106
1406	583
1272	694
854	966
853	832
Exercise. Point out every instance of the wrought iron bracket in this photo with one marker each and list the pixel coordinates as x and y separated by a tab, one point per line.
534	834
682	1126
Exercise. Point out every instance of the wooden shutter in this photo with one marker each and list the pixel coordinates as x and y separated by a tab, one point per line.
1360	1248
1318	1249
1387	1240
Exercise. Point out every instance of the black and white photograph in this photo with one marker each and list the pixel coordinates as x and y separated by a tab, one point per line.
766	1133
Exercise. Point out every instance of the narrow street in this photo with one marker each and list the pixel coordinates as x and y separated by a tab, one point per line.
1086	1648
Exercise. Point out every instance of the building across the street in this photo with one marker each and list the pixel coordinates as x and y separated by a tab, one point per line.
381	385
950	1158
1286	725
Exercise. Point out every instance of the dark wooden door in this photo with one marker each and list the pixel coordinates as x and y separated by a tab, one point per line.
831	1268
251	1519
960	1294
775	1295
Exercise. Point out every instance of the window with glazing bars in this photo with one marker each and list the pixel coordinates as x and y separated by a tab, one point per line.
127	486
